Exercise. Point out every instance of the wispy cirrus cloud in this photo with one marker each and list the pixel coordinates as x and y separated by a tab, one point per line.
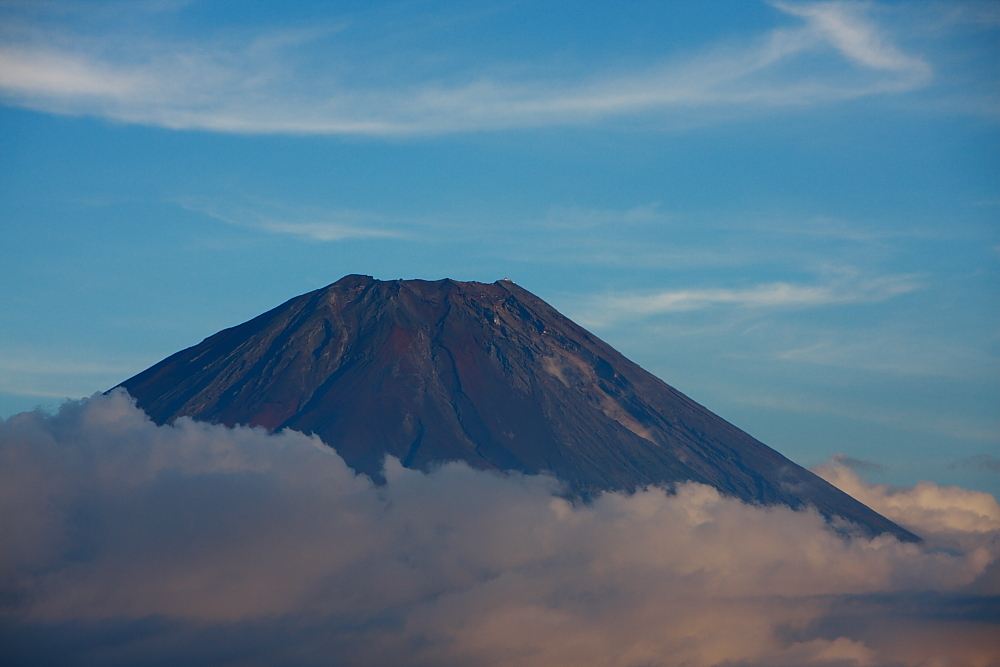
918	421
32	372
281	82
898	352
846	26
606	308
304	222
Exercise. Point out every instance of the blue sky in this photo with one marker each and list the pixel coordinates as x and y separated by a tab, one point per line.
787	211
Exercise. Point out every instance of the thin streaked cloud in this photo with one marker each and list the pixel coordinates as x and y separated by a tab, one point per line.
606	308
266	84
913	420
34	373
325	230
578	217
846	27
304	222
896	353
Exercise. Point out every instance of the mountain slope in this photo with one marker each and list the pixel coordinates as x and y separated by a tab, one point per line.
433	371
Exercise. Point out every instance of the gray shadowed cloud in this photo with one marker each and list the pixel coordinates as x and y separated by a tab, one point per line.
858	465
132	544
979	461
317	81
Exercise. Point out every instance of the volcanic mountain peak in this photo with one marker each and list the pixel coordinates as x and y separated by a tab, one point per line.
487	373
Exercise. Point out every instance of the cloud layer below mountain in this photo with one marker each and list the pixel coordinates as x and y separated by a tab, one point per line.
129	543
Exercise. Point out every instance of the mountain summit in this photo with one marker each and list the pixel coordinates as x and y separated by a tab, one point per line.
489	374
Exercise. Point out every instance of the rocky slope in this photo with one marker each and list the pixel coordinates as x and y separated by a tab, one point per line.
433	371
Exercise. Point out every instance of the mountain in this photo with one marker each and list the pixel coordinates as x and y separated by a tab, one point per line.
489	374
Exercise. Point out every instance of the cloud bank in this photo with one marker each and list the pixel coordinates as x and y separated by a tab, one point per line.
128	543
283	81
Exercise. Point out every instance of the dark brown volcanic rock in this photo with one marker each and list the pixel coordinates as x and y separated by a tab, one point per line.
484	373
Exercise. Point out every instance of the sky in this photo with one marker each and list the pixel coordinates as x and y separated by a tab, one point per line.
786	210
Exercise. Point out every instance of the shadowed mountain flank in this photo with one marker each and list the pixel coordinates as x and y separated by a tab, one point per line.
489	374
